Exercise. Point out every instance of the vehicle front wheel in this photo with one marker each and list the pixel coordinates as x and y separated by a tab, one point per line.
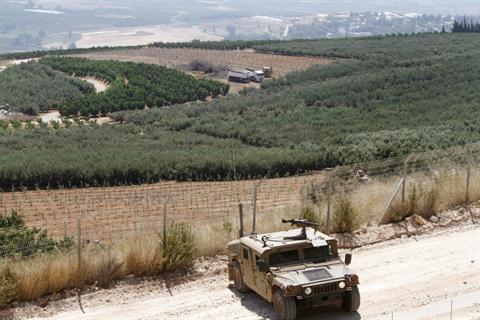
285	307
351	300
238	279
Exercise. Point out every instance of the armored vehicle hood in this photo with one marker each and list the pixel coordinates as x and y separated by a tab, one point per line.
310	273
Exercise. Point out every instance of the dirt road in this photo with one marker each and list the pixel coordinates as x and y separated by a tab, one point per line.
411	278
100	86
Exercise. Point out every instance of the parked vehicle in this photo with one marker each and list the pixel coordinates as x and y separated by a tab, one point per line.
242	76
256	75
268	72
294	267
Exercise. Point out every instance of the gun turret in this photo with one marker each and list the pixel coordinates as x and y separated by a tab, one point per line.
303	223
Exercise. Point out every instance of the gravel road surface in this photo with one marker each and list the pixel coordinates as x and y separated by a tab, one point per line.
414	278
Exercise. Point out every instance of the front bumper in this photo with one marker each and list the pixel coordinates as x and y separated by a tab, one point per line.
330	288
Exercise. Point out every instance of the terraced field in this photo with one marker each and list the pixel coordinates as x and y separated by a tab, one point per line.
282	64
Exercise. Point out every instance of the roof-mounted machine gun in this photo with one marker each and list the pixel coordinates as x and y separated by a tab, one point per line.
302	223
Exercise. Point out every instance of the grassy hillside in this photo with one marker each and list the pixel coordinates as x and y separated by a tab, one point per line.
389	96
31	87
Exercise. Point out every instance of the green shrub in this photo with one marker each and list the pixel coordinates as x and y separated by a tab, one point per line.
33	87
178	249
16	124
29	125
345	217
143	257
308	213
7	286
55	124
16	239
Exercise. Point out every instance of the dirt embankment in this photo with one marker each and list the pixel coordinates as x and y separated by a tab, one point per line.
100	86
413	278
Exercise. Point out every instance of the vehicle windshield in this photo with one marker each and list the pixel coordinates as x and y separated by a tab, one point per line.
312	254
317	254
284	257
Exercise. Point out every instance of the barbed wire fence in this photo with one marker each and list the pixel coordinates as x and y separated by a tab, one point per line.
449	177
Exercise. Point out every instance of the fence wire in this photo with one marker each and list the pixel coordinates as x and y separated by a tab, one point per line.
116	213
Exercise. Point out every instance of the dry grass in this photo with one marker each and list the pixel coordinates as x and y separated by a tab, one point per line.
100	265
212	239
143	256
45	274
429	194
426	194
451	188
103	266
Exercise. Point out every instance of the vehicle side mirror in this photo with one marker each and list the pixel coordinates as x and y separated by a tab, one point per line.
262	266
348	259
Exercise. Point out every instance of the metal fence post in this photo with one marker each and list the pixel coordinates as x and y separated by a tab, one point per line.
389	204
79	243
164	240
405	172
240	211
467	190
79	259
469	171
329	199
255	188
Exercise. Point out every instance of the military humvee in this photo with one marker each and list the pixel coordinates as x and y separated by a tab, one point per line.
288	268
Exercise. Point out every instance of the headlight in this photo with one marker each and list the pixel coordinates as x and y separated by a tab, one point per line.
341	285
308	290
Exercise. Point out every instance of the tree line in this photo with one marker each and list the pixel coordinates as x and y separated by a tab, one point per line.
465	27
32	87
132	86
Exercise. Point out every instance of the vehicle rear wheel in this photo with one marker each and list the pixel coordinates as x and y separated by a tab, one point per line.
351	300
285	307
238	279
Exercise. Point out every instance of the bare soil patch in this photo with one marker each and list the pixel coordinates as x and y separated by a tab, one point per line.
234	59
100	85
130	36
114	213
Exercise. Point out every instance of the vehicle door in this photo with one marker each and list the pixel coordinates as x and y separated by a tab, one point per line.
247	267
260	278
